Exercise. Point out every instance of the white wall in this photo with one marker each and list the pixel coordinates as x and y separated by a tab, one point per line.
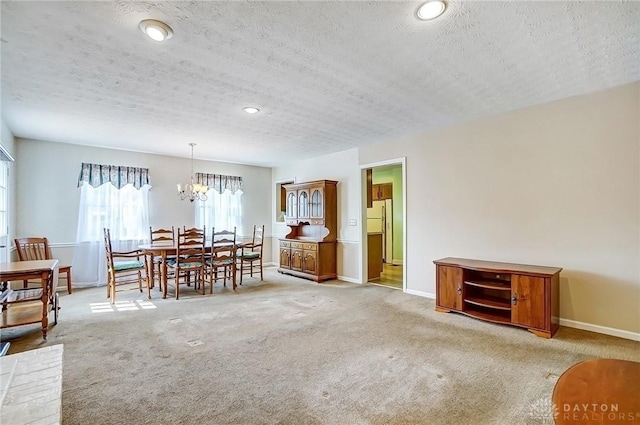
48	196
343	167
557	184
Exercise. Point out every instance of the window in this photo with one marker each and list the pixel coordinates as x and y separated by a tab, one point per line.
116	198
223	207
124	211
221	210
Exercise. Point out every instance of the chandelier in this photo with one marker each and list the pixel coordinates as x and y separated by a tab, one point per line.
192	190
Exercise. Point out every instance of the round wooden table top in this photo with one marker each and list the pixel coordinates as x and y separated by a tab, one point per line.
598	391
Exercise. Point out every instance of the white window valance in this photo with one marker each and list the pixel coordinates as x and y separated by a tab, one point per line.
219	182
118	175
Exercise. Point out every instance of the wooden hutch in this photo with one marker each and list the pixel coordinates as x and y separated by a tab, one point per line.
309	249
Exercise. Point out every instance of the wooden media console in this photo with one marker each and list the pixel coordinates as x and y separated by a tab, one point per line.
513	294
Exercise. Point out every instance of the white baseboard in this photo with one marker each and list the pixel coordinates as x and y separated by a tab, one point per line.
634	336
421	294
349	279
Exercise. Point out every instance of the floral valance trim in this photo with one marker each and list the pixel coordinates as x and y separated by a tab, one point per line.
119	176
220	183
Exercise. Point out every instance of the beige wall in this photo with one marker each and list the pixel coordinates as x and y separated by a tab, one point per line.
343	167
48	200
556	184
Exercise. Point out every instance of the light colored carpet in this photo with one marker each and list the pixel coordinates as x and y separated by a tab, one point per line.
290	351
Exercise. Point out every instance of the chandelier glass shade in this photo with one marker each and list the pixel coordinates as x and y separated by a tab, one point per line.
192	190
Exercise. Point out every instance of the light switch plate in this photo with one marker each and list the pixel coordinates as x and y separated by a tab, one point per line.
353	222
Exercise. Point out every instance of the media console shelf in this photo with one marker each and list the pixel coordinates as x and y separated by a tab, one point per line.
512	294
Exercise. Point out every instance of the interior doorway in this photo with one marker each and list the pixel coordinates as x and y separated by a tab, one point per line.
384	219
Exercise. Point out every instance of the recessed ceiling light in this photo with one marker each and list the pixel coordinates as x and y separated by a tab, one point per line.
156	30
431	10
251	110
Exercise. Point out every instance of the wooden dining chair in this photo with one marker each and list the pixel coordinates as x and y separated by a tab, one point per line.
249	255
160	236
189	264
125	269
38	249
200	231
223	257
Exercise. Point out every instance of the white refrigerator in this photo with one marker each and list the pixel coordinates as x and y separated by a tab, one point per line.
380	220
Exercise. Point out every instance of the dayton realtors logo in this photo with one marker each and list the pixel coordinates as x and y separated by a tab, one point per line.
601	413
544	410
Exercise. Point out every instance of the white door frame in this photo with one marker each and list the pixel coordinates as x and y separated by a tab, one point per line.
363	215
5	240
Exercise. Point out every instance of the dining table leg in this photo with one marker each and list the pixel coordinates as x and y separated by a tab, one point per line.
233	268
149	259
163	277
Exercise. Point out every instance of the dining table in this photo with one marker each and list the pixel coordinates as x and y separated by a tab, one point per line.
165	250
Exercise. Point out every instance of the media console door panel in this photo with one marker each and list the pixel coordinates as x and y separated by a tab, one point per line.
449	287
528	301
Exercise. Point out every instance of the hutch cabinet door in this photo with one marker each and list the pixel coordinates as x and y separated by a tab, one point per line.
310	262
292	204
296	259
449	287
527	301
317	199
303	203
285	258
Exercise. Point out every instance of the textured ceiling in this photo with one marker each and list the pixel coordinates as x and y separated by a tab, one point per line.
327	76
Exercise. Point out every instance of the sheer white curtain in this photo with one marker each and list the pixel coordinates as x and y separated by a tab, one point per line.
221	210
124	211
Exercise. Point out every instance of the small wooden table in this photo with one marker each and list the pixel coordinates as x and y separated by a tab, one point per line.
598	391
32	305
